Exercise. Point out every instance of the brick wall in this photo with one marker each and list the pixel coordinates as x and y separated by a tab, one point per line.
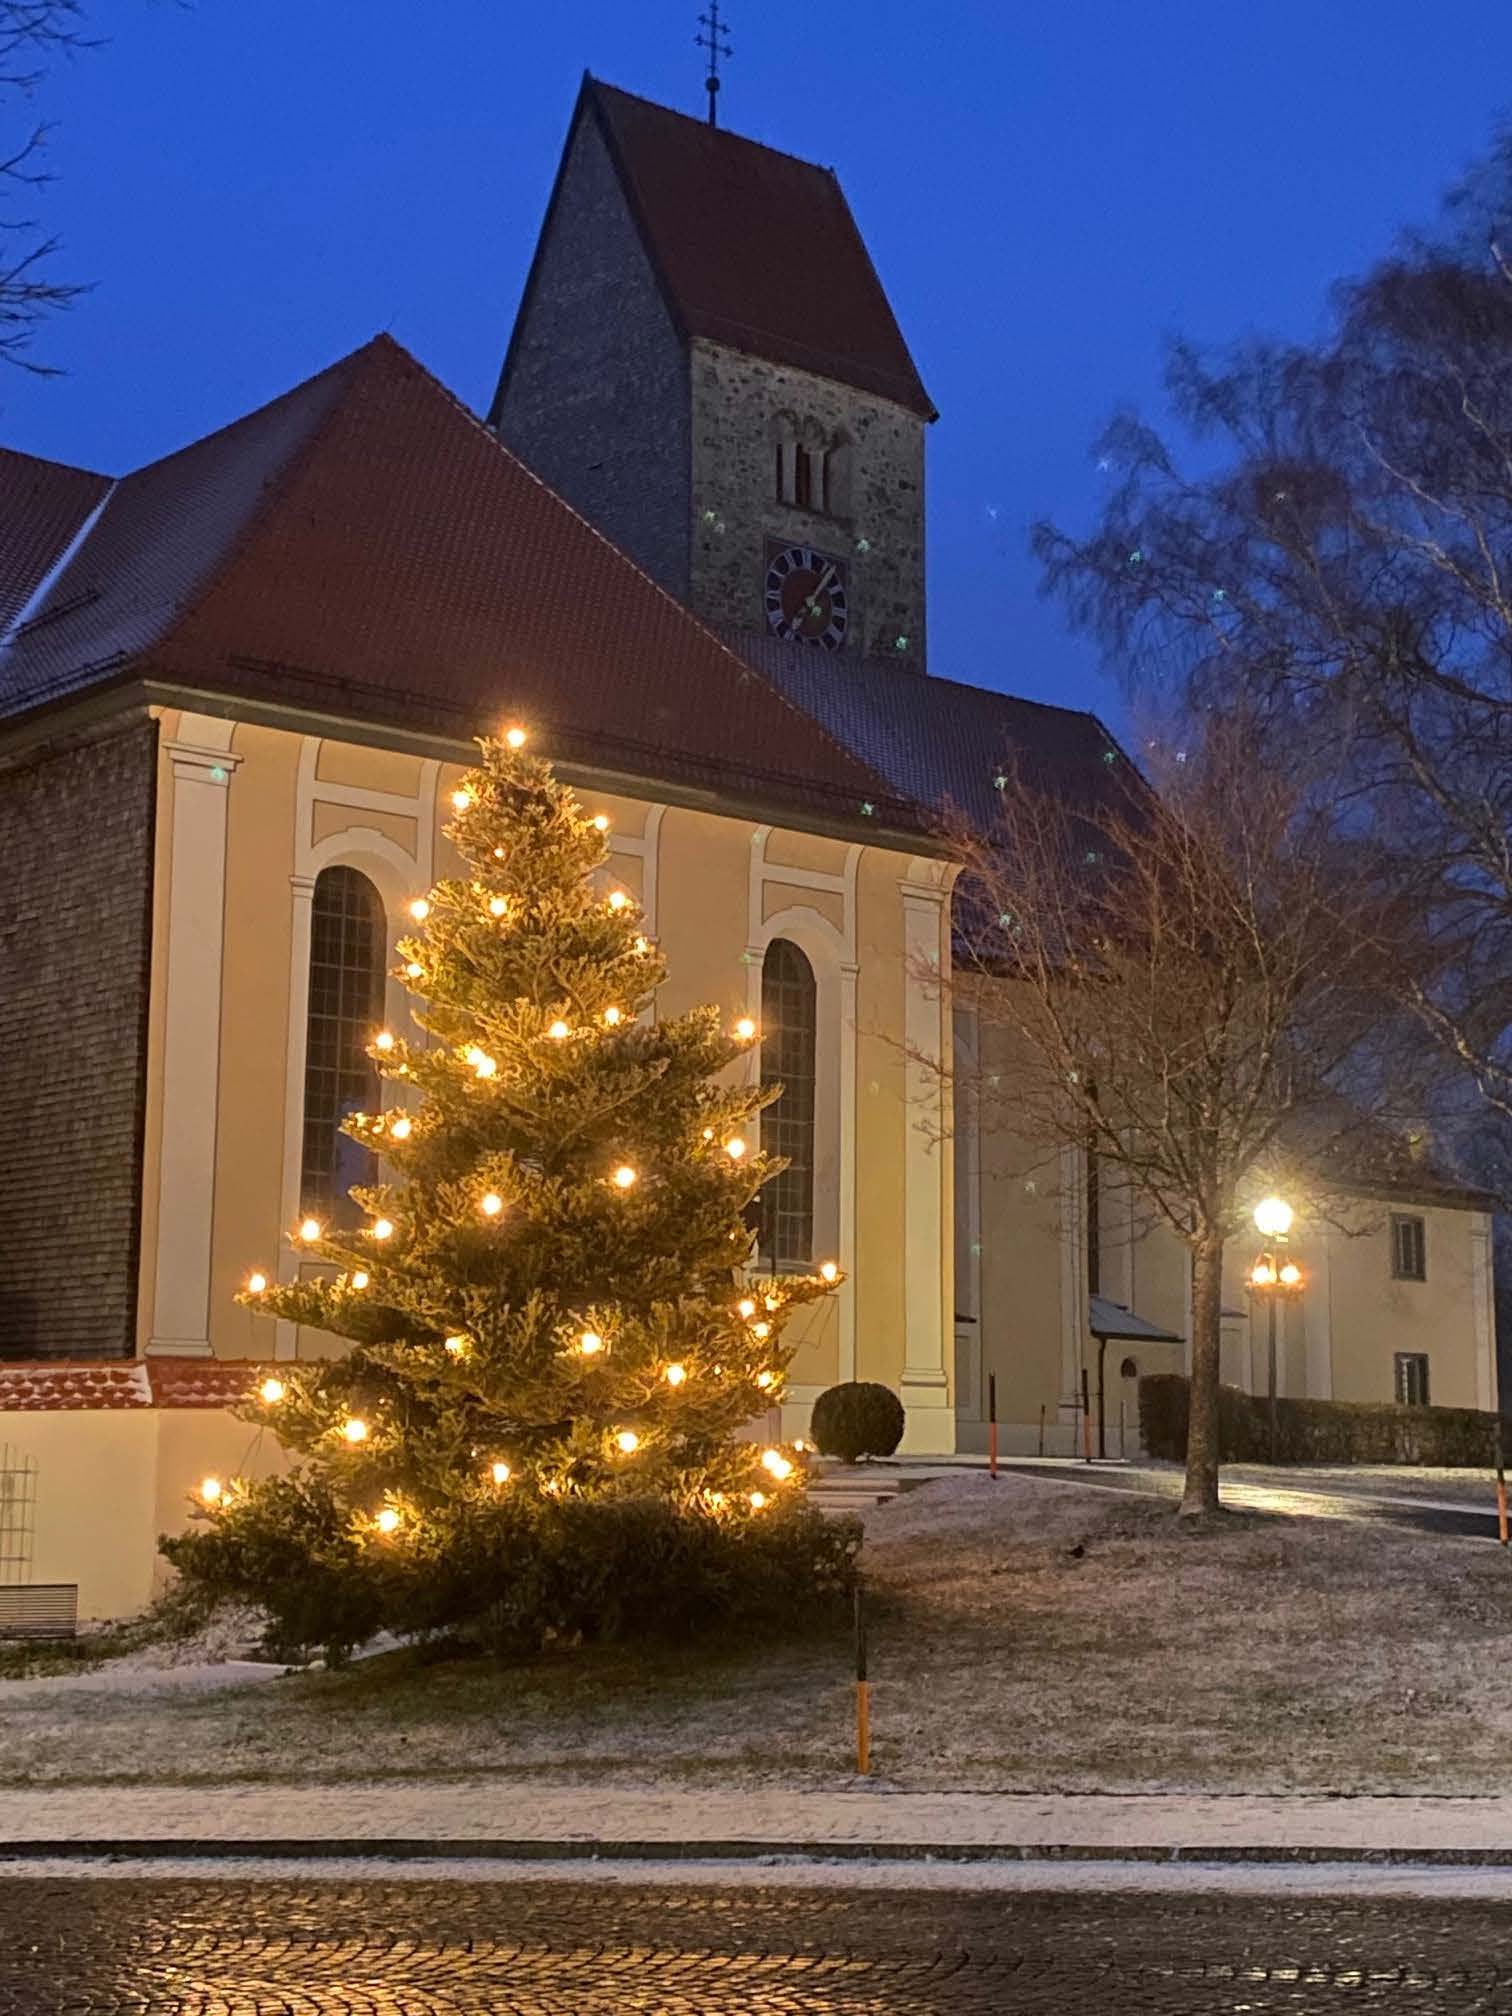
596	396
736	510
76	837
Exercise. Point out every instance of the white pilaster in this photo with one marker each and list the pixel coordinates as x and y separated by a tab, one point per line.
927	1264
1482	1303
1317	1318
201	766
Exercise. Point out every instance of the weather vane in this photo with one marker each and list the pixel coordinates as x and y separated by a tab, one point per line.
715	42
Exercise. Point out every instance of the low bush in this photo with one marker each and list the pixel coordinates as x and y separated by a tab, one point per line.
858	1418
1317	1431
518	1575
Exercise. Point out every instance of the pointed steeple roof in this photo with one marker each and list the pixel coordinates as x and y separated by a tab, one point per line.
754	249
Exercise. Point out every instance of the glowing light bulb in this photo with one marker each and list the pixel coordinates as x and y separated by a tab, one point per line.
461	798
761	1329
402	1128
211	1490
745	1028
613	1017
757	1500
590	1343
1273	1217
559	1032
310	1229
482	1063
642	946
829	1271
746	1307
1291	1274
618	899
763	1379
515	737
414	970
771	1301
389	1519
491	1204
675	1374
272	1390
601	822
360	1280
383	1040
1262	1274
457	1346
256	1283
420	909
354	1430
708	1134
627	1441
383	1228
500	1473
624	1177
774	1461
497	905
735	1148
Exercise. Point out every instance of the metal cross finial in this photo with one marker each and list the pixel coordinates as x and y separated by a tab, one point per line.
714	40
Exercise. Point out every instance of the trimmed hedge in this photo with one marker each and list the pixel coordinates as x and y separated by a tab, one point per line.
1317	1431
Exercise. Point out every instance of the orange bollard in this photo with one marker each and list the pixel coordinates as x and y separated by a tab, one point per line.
863	1698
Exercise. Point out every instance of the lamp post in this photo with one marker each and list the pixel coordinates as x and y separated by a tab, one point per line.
1273	1277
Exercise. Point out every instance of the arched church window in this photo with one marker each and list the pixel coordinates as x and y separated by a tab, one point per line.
348	958
789	1043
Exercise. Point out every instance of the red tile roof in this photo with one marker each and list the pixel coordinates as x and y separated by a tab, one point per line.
365	548
42	506
47	1386
755	249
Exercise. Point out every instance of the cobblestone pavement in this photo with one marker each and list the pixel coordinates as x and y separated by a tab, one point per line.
382	1948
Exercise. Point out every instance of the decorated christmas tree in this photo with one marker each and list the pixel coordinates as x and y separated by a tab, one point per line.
540	1427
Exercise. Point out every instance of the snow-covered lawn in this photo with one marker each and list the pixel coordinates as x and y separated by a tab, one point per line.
1028	1636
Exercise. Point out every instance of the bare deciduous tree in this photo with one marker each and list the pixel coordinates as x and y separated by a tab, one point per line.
1195	984
1347	567
32	33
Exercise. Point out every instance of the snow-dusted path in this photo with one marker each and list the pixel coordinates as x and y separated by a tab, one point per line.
503	1810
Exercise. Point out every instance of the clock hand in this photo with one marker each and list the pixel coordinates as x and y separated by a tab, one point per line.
812	600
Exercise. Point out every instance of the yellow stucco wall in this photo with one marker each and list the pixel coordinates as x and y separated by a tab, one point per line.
716	888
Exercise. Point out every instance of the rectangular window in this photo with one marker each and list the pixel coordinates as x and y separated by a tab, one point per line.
1409	1250
1412	1378
803	494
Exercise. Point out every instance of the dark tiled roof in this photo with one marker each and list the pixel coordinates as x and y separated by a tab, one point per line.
756	250
941	744
42	506
364	547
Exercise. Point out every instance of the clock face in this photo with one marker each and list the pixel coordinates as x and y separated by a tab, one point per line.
806	597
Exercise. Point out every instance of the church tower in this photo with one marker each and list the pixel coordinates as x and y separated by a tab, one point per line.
705	364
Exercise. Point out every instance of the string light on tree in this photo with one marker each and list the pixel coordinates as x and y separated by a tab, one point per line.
516	738
521	1331
211	1490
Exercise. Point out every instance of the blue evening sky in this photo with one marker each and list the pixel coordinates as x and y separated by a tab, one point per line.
1048	191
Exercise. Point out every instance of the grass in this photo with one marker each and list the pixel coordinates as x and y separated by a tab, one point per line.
1028	1636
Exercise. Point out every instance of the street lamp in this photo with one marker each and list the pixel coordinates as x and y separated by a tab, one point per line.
1272	1277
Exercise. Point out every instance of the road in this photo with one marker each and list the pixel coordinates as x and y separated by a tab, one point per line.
385	1948
1330	1501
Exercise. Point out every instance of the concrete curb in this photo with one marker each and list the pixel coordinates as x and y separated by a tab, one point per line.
420	1849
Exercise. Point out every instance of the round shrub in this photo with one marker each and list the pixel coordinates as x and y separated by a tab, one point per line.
858	1418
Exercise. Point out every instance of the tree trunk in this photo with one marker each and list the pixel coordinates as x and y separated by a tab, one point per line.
1201	1494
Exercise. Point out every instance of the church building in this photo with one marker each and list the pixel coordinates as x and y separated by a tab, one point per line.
685	547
